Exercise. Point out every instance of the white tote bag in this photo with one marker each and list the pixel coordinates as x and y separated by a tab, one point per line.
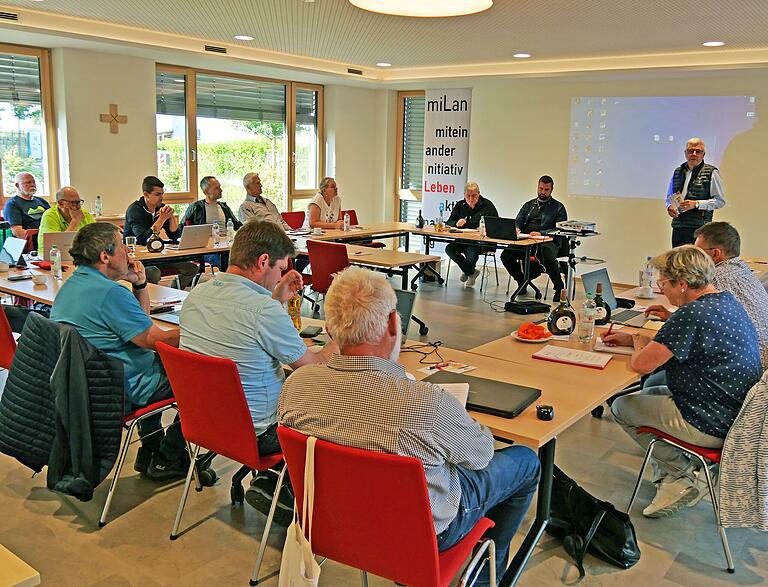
299	567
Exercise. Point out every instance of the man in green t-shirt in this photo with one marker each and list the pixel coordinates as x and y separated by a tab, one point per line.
67	215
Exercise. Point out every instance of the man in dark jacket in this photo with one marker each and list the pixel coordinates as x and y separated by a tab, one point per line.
210	209
539	216
467	213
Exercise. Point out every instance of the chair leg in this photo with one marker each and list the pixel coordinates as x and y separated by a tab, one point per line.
118	470
448	270
492	561
364	578
647	458
267	527
184	494
716	507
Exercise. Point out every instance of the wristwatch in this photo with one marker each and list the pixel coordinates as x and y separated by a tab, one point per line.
697	204
139	286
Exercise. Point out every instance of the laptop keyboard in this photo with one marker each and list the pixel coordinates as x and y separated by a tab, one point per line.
625	315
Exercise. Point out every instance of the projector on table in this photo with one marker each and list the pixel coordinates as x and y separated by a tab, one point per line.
577	226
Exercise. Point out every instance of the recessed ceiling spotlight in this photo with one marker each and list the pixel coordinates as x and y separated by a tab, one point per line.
521	55
713	43
244	37
383	64
424	8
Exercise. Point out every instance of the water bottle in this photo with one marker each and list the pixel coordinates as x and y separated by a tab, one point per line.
482	227
646	286
55	257
230	232
97	207
586	328
216	234
346	221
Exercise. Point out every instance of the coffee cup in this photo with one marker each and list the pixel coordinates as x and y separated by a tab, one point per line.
4	267
39	279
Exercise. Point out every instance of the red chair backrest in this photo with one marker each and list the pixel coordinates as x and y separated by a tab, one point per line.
325	259
294	219
7	342
211	402
371	509
352	216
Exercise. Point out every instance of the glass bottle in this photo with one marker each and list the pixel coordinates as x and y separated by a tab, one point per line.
587	319
55	257
562	320
602	310
294	310
420	221
155	244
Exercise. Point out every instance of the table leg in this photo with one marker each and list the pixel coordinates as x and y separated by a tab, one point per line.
404	271
526	273
536	531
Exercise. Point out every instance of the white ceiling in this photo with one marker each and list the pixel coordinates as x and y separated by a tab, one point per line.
661	32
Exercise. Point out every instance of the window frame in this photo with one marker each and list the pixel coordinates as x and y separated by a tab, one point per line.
47	116
399	155
292	193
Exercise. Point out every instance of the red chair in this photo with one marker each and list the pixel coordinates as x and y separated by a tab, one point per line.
372	512
353	222
294	219
214	415
326	259
7	342
31	236
702	455
129	423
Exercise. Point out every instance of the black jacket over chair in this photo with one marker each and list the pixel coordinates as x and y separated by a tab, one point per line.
63	407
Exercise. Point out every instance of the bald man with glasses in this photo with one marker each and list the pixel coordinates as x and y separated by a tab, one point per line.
68	214
695	192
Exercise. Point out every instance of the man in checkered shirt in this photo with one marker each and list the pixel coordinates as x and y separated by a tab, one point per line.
362	398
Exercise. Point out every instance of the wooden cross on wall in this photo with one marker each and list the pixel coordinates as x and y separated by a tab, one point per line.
114	119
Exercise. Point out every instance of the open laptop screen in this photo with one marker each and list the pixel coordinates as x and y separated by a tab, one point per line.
590	281
405	301
12	250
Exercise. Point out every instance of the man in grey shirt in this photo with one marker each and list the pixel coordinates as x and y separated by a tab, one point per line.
722	242
257	206
363	398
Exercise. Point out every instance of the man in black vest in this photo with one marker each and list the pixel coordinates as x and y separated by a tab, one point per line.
695	191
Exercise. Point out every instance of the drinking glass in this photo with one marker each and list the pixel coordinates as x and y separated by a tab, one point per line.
130	241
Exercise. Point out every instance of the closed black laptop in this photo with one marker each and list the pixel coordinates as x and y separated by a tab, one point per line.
491	397
498	227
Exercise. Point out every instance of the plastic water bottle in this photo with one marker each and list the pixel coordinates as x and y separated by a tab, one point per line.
586	328
230	232
216	234
646	286
55	257
97	207
481	228
346	221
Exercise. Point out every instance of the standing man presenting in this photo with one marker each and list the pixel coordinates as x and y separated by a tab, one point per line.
467	213
695	191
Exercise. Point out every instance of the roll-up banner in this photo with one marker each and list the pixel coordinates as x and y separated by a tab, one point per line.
446	150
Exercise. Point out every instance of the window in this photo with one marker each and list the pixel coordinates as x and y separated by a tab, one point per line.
227	125
26	137
410	155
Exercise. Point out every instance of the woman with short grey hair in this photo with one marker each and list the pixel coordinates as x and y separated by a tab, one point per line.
709	351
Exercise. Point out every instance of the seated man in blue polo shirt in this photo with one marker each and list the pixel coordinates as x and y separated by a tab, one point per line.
240	315
116	321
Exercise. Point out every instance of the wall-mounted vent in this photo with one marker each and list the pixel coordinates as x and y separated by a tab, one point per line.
355	71
9	16
215	49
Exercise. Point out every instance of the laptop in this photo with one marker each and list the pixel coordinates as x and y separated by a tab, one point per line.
405	300
636	318
194	236
506	400
501	228
63	240
13	251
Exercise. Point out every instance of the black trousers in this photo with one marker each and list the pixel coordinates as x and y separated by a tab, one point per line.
171	443
683	235
465	256
547	254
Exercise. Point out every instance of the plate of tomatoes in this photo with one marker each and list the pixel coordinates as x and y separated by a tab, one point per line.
532	333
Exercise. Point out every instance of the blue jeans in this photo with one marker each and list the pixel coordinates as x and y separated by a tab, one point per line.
502	491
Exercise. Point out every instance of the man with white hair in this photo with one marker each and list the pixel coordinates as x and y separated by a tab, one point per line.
24	210
68	214
695	191
257	206
363	398
467	213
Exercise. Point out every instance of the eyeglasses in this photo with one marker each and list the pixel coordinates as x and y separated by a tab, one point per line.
661	283
73	202
695	151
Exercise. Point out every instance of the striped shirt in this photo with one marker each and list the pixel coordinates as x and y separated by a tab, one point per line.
369	403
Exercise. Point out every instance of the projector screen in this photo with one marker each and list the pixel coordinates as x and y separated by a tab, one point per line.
629	146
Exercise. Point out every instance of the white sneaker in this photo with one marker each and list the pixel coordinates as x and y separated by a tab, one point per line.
463	277
672	496
473	278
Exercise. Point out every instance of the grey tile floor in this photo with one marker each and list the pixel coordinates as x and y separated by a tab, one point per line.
59	535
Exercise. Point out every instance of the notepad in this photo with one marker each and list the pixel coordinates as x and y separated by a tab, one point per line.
458	390
601	347
573	357
653	325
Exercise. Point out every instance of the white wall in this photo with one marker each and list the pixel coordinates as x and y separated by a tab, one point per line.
520	131
94	160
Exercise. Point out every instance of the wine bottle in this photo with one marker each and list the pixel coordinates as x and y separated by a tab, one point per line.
155	244
603	312
562	320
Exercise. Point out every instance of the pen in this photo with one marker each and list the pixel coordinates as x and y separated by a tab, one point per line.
609	329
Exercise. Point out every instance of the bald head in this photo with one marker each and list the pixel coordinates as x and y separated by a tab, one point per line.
67	193
26	187
68	201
